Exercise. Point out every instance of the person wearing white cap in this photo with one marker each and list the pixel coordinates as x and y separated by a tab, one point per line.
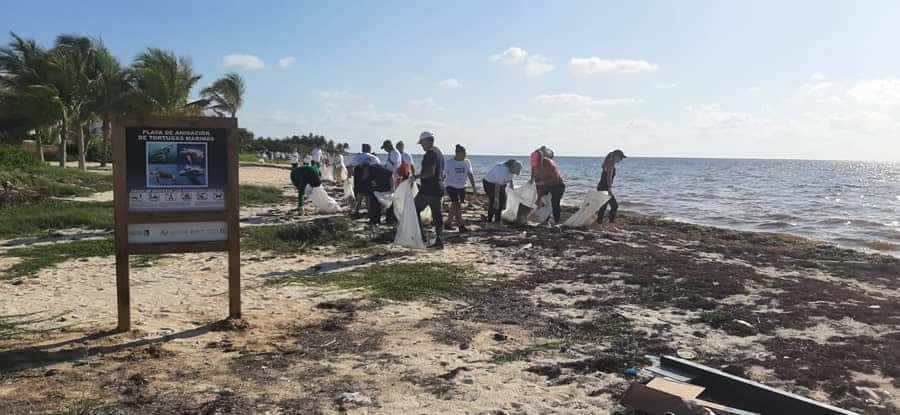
432	186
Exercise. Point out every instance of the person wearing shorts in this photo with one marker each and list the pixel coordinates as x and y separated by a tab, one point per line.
457	170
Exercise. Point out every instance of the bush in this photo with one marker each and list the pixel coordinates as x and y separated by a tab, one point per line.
12	158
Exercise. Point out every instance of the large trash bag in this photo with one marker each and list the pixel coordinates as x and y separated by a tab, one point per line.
542	214
426	213
587	213
525	195
327	173
323	202
408	232
348	189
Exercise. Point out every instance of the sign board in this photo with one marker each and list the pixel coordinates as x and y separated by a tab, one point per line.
176	190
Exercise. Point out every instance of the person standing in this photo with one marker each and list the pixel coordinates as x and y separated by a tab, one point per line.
360	184
316	155
495	182
606	184
536	157
406	158
549	181
394	159
432	188
459	168
295	157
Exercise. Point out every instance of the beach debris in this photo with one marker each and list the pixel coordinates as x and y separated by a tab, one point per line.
680	383
354	398
686	354
587	213
452	374
500	337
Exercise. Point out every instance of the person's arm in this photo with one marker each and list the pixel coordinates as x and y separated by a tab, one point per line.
472	180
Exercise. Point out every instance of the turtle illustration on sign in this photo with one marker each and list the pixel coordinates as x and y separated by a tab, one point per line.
161	155
159	174
193	174
192	154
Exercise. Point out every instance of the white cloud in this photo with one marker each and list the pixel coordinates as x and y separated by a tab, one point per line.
754	90
451	83
866	121
247	62
665	85
817	77
425	104
585	101
374	117
713	117
882	93
287	61
339	96
511	55
595	65
538	65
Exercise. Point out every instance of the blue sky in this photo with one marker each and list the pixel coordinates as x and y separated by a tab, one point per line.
797	79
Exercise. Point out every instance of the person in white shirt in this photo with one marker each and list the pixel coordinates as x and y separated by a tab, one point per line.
406	158
457	170
317	155
357	166
495	182
393	159
295	156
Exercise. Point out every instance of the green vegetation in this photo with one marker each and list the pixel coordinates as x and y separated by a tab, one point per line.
290	238
254	195
26	172
78	407
39	218
717	319
400	281
526	352
38	257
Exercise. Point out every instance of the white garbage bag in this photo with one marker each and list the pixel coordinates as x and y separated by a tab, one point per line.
385	198
408	232
542	214
323	202
587	213
426	213
348	189
327	173
525	195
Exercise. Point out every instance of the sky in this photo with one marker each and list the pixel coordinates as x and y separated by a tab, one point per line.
760	79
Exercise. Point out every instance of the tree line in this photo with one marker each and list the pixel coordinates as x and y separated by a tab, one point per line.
303	143
72	91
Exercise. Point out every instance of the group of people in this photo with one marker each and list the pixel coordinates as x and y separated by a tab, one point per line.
437	176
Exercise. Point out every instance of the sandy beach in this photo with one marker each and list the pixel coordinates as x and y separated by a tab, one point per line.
547	322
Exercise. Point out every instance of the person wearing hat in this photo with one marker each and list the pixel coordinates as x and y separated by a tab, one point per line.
495	182
606	184
431	190
459	168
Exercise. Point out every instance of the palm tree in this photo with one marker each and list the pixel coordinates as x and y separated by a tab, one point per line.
226	95
75	81
111	95
162	83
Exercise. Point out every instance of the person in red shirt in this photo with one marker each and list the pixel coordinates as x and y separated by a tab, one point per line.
549	181
536	157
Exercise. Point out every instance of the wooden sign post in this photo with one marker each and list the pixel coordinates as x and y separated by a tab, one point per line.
175	185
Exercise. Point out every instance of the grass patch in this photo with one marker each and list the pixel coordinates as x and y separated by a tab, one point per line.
38	257
38	218
717	319
146	261
525	353
78	407
290	238
254	195
401	282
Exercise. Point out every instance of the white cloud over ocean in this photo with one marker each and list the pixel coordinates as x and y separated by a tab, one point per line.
246	62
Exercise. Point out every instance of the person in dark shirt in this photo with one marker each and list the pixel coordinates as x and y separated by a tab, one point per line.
378	179
606	183
432	185
302	176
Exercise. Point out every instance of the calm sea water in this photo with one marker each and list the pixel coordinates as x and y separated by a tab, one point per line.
852	204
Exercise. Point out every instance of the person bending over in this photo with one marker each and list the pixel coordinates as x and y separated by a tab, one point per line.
360	185
606	183
379	180
300	177
432	187
495	182
549	181
459	168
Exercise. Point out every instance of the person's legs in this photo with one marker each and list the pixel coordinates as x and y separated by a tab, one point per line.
489	189
300	197
438	216
613	208
502	195
459	219
602	212
556	195
374	210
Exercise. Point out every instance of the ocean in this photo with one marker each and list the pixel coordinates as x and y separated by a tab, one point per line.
852	204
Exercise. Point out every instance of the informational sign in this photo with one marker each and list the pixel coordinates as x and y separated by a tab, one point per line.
176	169
155	233
175	185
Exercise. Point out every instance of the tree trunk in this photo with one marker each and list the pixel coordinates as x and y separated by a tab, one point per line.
40	144
106	141
82	157
63	141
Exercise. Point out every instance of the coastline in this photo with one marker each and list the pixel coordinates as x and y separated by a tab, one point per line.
545	321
